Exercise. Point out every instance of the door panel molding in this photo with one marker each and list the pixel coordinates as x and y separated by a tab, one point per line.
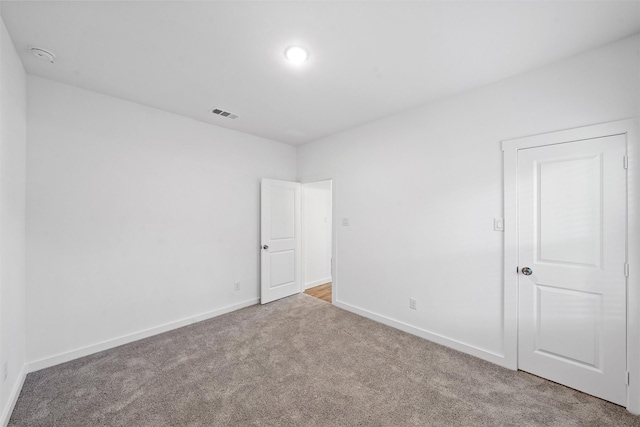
510	148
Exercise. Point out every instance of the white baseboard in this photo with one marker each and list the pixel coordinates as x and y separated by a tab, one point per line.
47	362
317	283
480	353
13	397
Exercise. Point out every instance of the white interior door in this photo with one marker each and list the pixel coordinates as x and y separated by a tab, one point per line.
280	234
572	237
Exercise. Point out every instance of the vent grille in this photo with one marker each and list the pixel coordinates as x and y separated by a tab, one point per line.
223	113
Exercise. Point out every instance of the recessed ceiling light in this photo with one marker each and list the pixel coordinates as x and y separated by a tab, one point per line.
296	54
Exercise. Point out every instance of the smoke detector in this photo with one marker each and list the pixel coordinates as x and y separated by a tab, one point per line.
44	54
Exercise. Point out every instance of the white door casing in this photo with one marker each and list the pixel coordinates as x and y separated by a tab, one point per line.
280	239
630	130
316	233
572	235
333	230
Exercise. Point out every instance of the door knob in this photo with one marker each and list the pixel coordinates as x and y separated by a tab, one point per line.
265	247
527	271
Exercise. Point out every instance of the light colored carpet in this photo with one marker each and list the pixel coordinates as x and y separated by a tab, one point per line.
297	362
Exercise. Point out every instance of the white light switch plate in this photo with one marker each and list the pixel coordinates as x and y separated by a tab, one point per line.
498	224
345	222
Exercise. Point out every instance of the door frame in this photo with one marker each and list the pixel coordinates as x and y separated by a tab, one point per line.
334	233
628	127
303	234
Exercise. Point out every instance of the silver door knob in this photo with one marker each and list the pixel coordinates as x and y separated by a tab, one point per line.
527	271
265	247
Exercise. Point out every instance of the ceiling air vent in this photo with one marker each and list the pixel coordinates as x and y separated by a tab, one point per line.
223	113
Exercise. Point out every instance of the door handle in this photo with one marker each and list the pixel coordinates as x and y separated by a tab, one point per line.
527	271
265	247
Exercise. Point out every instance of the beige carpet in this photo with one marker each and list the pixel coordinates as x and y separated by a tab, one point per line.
297	362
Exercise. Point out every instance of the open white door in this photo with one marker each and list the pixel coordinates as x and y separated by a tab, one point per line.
280	235
572	259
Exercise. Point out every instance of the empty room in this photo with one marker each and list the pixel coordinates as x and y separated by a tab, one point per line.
319	213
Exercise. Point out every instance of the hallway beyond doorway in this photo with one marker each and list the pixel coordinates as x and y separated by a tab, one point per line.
322	292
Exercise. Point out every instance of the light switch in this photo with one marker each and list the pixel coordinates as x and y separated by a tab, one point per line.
498	224
345	222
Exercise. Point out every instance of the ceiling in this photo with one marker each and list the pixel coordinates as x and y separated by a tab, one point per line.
367	59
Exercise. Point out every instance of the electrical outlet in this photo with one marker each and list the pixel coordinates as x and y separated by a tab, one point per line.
413	304
345	222
5	371
237	286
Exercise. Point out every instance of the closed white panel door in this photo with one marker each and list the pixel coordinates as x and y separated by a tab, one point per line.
280	235
572	254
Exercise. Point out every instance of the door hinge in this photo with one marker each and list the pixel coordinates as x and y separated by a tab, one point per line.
625	162
627	378
626	270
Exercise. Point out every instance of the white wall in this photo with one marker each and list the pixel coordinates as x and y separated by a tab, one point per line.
421	189
135	218
12	221
316	207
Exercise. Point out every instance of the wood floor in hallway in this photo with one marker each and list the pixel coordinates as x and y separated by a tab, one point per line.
322	292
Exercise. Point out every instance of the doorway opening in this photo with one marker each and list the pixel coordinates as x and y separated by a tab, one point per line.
317	239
